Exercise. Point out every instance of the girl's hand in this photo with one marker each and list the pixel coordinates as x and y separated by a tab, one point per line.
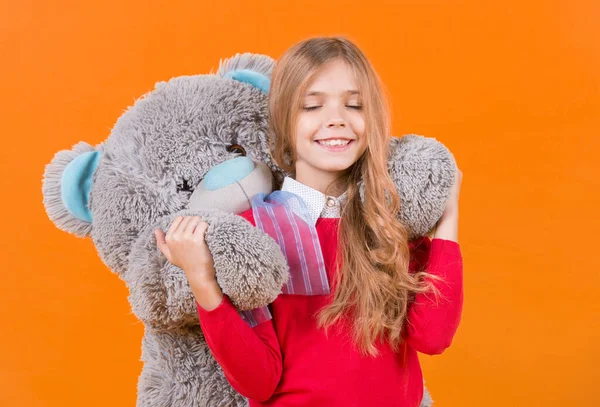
185	247
447	226
451	208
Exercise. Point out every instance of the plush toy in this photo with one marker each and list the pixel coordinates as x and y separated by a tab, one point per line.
198	145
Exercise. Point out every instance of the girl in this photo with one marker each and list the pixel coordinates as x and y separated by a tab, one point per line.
357	346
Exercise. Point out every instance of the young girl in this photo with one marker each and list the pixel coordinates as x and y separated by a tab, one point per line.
358	346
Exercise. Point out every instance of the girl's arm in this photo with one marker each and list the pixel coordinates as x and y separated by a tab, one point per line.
432	322
250	357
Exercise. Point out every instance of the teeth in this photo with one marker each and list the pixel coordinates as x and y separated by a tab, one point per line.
336	142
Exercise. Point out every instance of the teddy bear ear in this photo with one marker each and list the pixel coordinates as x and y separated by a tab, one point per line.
255	79
66	188
254	69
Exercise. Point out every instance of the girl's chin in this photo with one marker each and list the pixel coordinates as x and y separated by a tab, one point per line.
333	166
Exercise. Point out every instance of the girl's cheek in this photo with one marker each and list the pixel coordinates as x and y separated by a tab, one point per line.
358	126
305	129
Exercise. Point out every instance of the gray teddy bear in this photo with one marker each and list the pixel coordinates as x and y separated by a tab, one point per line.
198	145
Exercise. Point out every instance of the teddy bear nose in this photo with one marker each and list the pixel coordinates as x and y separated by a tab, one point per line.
228	172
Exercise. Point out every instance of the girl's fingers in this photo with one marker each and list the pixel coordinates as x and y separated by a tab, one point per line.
162	243
200	233
200	230
182	226
189	229
185	226
160	237
173	227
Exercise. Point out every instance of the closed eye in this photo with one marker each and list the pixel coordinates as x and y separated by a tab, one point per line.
309	108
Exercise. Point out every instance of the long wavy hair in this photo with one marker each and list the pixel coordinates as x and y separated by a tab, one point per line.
373	286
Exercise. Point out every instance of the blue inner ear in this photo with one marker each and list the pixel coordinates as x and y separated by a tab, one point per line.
256	79
75	184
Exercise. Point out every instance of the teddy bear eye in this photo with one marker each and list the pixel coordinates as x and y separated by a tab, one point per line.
184	186
236	148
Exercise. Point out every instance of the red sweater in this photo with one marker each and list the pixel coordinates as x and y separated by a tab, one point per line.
287	361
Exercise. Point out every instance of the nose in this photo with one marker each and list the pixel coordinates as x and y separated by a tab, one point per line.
228	172
337	122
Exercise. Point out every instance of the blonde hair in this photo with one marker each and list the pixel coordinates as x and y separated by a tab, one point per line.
373	283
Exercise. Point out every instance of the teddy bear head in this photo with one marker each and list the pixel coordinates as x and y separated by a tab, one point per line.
183	145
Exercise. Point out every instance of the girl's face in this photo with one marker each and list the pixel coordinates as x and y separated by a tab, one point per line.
330	128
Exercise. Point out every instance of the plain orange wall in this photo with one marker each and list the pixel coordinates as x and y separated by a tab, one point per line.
512	88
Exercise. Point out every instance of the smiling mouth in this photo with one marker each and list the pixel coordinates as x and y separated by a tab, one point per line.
334	142
335	148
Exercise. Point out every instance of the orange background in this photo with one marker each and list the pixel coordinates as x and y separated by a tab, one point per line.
513	89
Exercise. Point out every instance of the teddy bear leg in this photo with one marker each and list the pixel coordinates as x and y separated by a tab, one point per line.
180	371
427	401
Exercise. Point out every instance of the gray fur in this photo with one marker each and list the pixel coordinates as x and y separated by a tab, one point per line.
423	170
169	139
160	295
254	62
427	400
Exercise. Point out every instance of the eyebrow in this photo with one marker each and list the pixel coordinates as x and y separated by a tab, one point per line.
319	93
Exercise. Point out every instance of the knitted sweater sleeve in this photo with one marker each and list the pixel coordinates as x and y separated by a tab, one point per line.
250	357
433	321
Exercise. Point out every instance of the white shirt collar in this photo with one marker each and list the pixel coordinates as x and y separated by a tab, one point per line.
319	205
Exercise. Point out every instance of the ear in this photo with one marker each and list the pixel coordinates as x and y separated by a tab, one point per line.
255	79
66	188
254	69
423	170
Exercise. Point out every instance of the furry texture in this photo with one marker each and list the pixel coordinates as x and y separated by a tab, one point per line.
251	274
157	152
423	170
